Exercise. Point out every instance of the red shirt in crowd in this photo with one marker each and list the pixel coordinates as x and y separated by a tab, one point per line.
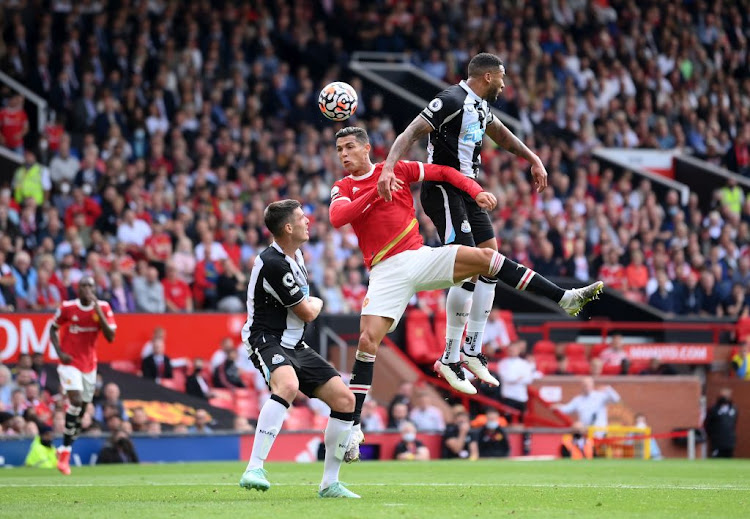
12	124
354	295
159	246
81	324
88	207
614	276
176	292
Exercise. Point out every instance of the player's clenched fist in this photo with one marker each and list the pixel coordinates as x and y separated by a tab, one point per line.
486	200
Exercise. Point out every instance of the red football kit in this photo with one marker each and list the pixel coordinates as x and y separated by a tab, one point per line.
82	331
386	228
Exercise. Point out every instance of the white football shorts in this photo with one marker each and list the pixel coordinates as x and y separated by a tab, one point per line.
73	379
394	281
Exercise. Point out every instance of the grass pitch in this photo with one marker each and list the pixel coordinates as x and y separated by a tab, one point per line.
435	490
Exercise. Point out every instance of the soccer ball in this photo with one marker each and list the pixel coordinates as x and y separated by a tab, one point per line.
338	101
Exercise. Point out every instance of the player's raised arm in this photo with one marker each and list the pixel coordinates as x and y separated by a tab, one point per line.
417	129
417	172
343	211
499	133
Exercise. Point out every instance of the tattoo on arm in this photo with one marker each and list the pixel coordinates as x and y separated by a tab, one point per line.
499	133
417	129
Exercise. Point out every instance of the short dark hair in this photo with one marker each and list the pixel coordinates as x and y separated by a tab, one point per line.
278	214
359	133
484	62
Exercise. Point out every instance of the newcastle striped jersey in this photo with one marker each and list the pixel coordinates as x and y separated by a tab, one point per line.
459	119
277	283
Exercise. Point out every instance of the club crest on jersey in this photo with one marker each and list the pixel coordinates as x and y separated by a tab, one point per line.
435	105
288	280
277	359
366	302
465	227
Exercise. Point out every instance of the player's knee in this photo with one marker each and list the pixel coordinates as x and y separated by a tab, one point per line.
345	402
286	388
368	342
75	400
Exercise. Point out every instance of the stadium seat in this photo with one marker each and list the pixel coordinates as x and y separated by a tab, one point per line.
597	349
544	347
223	393
547	364
575	350
637	366
579	366
222	403
440	321
510	326
610	369
299	418
247	407
174	384
127	366
421	344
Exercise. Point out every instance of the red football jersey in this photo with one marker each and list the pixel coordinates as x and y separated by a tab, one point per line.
177	292
386	228
82	324
12	123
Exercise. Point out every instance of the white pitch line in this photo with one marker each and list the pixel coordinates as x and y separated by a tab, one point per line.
527	485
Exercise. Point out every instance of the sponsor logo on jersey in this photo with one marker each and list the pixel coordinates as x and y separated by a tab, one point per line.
355	189
288	280
293	291
465	227
474	132
277	359
435	105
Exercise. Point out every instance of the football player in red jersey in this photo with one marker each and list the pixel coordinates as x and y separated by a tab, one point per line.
84	318
399	264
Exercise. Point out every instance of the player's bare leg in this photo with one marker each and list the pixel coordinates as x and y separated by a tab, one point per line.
372	330
471	261
284	386
73	416
337	435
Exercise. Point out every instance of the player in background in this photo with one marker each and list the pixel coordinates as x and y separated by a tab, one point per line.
278	309
455	123
84	318
399	264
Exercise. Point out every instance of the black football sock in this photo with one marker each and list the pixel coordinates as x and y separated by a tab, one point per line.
522	278
72	422
362	372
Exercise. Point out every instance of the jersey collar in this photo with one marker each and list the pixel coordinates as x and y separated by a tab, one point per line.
281	251
80	305
365	176
463	84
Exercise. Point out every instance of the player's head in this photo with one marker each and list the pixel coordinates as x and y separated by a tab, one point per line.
86	290
353	149
286	221
487	73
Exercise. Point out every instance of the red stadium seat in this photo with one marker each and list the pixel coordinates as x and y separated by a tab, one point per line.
222	403
547	364
597	349
127	366
544	347
223	393
247	407
507	317
611	369
575	350
299	418
174	384
637	366
421	344
579	366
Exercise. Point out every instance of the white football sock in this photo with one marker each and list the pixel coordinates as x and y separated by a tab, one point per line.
481	306
270	420
337	437
457	313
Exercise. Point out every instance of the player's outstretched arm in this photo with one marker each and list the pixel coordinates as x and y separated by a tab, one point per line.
343	211
308	309
499	133
387	182
435	173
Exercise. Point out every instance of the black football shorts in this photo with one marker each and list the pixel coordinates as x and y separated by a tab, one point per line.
457	217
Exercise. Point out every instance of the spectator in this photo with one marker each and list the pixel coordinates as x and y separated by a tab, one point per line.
492	440
14	124
26	281
458	441
111	398
176	291
515	376
64	166
202	419
721	426
331	293
31	180
741	361
591	404
132	231
220	355
184	260
6	388
738	304
656	367
242	425
119	449
410	448
196	385
398	415
614	355
148	293
139	419
655	451
372	419
158	245
663	298
48	297
157	366
425	416
226	374
354	291
120	295
42	454
46	375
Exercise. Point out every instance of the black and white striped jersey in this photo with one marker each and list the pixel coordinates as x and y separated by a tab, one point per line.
459	119
277	283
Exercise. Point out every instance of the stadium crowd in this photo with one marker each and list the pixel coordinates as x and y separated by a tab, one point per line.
176	124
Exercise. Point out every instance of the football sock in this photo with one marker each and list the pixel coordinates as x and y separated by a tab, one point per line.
457	312
481	306
364	367
337	434
72	422
522	278
270	420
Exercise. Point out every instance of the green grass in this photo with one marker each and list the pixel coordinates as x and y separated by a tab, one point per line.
435	490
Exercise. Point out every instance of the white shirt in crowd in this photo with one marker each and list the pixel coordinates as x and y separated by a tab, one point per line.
428	419
515	375
61	169
217	252
592	407
135	234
